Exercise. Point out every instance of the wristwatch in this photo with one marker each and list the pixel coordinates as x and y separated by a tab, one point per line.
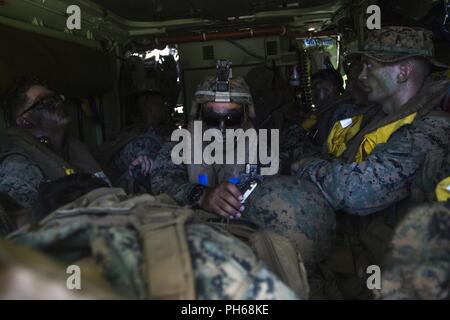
195	194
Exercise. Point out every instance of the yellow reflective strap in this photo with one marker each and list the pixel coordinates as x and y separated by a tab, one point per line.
309	123
339	135
380	135
443	190
69	171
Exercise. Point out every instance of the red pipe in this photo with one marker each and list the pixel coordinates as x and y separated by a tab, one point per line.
240	34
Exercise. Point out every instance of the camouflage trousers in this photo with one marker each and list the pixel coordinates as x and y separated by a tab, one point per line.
297	210
418	263
224	267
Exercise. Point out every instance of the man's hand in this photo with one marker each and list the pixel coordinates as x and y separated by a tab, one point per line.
224	200
144	162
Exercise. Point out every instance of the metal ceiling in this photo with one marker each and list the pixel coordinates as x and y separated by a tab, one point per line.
161	10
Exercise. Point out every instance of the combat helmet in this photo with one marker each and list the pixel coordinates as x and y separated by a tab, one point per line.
222	87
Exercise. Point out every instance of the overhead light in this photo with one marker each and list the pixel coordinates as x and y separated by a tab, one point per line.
246	17
311	29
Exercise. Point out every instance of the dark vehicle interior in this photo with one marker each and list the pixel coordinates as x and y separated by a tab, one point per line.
105	55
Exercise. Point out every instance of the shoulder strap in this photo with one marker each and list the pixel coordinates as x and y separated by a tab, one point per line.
51	164
107	151
429	99
24	144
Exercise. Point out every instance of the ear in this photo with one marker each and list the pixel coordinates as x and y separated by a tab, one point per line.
405	70
24	122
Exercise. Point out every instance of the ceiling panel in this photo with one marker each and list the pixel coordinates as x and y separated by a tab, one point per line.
160	10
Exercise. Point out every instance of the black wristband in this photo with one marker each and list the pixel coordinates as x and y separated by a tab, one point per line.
195	194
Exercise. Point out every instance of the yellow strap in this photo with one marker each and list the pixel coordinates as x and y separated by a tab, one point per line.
380	135
69	171
309	123
443	190
339	136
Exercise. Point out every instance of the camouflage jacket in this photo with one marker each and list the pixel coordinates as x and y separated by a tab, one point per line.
118	153
296	142
26	162
385	176
146	142
20	179
418	263
170	178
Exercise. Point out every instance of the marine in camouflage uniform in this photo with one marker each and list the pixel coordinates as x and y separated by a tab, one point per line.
308	137
115	157
173	179
299	142
126	156
223	267
387	171
28	156
417	265
292	208
368	184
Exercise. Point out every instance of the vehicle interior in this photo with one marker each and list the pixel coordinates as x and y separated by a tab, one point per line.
121	48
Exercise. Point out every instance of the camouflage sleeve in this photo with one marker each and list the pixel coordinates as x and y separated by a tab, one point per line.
227	269
144	145
20	179
385	176
294	143
170	178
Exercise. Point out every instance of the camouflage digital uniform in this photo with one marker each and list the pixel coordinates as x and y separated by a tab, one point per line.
417	265
21	175
170	178
115	156
295	209
369	193
297	142
388	171
20	179
147	143
224	267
